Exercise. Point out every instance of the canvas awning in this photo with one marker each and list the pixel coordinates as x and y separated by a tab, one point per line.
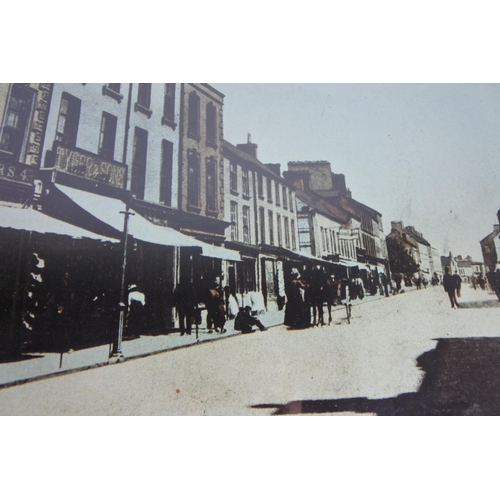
27	219
111	212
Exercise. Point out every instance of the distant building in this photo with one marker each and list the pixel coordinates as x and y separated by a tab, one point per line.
317	178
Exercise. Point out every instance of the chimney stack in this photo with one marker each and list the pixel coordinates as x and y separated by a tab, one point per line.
249	148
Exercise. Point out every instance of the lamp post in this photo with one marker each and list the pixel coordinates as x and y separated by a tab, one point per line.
117	344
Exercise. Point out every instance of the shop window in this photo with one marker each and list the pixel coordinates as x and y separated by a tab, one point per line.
68	120
167	154
139	159
107	136
16	120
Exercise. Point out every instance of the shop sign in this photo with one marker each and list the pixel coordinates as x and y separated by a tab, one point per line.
89	166
16	172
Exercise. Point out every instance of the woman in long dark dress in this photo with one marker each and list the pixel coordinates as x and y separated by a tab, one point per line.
294	309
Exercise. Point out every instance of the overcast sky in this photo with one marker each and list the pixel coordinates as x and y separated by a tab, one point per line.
426	154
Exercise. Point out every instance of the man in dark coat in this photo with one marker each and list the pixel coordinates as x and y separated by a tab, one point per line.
450	287
185	302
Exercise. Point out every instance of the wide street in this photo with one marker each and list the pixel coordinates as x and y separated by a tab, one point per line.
372	366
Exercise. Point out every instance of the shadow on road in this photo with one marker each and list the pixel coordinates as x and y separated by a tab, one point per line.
462	377
479	305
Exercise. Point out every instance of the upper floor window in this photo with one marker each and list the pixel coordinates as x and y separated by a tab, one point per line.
211	185
233	178
294	240
260	185
139	160
193	179
112	90
68	120
143	103
194	115
14	135
107	136
211	124
167	157
245	185
269	190
169	105
277	191
262	224
291	200
271	226
285	198
234	220
287	232
246	224
278	230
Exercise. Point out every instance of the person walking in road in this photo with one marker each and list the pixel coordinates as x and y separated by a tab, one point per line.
458	283
450	287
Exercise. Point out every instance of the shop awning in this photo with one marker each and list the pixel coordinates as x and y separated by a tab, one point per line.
111	212
27	219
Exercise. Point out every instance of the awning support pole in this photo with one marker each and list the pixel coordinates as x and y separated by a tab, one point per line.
117	344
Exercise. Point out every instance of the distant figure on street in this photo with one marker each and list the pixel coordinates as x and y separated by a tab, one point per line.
397	280
296	312
449	287
185	302
244	321
458	283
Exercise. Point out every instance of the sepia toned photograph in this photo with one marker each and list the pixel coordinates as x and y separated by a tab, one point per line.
249	249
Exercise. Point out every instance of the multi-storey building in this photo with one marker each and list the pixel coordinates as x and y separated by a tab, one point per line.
490	247
260	206
114	149
364	232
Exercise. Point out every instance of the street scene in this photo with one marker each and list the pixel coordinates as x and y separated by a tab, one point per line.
193	249
436	362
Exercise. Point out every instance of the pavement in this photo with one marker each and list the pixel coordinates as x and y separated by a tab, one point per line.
35	366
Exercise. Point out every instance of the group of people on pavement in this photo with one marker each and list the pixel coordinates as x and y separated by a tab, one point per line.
186	303
308	293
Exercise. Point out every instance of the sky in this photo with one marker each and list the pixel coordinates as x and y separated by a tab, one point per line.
424	154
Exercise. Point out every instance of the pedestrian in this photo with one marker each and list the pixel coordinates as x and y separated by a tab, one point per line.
185	302
212	298
244	321
458	283
331	294
385	284
295	309
316	288
397	280
450	287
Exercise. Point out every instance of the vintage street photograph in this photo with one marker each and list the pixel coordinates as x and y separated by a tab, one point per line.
259	249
